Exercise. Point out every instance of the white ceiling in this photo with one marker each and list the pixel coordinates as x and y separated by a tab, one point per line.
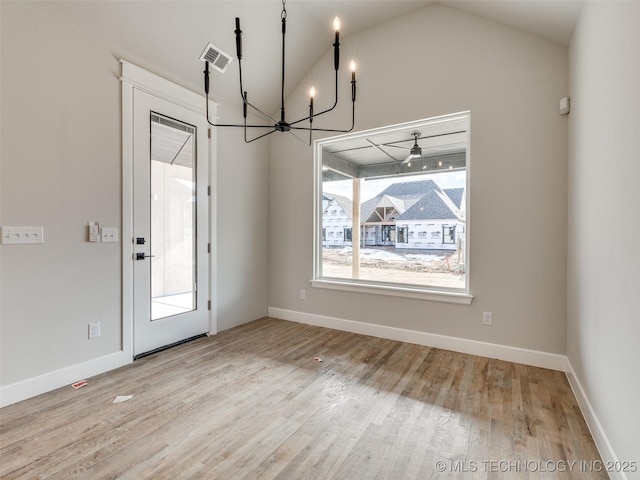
167	37
551	19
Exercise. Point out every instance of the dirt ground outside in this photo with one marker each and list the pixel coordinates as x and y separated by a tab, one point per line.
388	264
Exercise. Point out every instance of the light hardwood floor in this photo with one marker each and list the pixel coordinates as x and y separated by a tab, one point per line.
253	403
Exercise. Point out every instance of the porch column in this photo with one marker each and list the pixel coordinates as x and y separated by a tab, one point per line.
355	229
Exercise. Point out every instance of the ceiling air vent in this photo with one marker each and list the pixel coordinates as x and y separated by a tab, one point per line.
216	58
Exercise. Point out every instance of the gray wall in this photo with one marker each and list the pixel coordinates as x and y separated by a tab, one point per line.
243	225
61	166
438	61
604	203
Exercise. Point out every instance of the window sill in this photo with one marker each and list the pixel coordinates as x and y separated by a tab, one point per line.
460	298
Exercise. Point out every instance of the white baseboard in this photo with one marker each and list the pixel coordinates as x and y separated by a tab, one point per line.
595	427
534	358
31	387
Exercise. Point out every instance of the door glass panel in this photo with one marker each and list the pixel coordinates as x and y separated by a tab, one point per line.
173	217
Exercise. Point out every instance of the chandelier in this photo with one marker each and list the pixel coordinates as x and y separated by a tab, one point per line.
283	125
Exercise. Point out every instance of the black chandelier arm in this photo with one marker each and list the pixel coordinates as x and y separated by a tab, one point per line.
243	93
206	93
268	117
275	130
284	32
324	111
322	129
229	124
353	122
256	138
246	102
300	139
239	125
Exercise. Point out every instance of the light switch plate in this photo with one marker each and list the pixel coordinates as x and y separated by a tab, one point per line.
109	235
21	235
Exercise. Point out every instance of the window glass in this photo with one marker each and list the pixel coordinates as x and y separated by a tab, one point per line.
394	205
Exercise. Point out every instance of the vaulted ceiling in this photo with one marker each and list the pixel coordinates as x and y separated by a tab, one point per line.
167	37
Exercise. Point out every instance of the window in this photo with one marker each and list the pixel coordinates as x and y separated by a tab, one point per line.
403	234
406	234
448	234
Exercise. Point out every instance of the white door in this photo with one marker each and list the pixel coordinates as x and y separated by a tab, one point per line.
170	224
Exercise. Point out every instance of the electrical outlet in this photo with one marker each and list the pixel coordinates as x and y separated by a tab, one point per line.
303	294
94	330
487	318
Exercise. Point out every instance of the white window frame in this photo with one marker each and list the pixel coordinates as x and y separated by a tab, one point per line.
441	124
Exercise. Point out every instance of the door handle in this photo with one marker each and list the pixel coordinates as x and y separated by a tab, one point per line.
142	256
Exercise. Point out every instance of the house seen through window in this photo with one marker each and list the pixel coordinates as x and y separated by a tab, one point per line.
394	207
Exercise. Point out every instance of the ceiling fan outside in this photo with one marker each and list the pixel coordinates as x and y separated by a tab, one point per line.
414	152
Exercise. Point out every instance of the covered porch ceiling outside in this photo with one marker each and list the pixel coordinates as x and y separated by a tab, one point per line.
383	152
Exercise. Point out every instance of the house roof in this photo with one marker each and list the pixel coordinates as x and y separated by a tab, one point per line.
345	203
455	194
420	200
432	206
404	193
407	189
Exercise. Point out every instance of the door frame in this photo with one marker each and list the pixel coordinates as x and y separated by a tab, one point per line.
132	78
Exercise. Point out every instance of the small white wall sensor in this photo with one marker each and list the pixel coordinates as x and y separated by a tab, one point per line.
94	231
564	106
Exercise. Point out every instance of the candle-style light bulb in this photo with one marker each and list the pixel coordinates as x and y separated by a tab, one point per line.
312	93
353	81
336	24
